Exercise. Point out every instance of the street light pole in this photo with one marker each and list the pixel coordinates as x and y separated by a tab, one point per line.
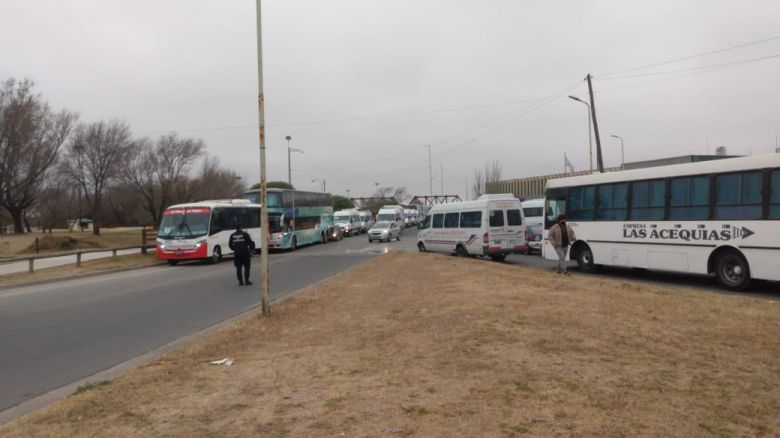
430	172
622	152
590	136
264	281
441	176
289	168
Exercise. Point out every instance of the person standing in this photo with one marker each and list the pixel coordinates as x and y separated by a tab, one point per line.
242	246
561	235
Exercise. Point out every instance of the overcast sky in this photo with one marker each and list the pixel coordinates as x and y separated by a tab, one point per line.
360	85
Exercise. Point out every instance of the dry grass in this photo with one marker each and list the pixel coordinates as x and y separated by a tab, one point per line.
430	345
60	240
87	267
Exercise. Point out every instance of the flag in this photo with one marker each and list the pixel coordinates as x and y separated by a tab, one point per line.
567	166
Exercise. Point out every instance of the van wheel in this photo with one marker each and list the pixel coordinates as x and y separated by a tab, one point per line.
217	255
173	262
420	246
585	260
732	271
461	251
498	257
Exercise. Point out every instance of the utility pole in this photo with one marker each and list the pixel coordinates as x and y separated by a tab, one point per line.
441	176
599	158
264	281
430	172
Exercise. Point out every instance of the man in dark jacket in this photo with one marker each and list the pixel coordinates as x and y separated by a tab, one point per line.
242	246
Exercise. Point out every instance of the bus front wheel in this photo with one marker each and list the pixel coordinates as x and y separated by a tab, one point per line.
294	245
421	247
732	271
585	260
217	255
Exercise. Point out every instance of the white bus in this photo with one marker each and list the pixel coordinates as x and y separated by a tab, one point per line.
201	230
491	226
719	216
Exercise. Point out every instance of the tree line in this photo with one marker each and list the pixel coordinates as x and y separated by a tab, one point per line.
56	170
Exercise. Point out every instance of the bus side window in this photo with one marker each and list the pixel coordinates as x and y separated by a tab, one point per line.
580	203
451	220
217	220
774	195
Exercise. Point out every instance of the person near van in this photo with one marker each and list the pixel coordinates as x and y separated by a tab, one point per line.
242	246
561	235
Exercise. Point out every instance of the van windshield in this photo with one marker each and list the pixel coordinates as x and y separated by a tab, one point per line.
341	218
385	217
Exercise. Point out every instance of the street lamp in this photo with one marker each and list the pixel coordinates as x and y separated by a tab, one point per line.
622	155
320	180
590	141
289	167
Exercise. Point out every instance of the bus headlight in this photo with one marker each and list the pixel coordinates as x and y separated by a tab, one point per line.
161	243
199	243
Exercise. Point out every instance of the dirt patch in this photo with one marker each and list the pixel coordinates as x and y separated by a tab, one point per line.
429	345
22	244
52	243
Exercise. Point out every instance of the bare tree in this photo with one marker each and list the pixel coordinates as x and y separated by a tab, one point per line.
31	136
213	182
491	173
94	158
155	169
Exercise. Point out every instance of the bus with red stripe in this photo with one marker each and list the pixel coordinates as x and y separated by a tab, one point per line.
200	230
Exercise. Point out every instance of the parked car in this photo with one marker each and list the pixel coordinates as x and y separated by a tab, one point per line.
533	239
384	231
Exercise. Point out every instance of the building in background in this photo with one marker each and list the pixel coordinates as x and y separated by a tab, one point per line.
533	186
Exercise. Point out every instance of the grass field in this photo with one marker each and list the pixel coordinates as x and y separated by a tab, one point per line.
87	267
429	345
61	240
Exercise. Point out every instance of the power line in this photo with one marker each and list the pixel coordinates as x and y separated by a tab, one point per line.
685	58
350	119
703	67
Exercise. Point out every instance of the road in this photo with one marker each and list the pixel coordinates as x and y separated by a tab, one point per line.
58	333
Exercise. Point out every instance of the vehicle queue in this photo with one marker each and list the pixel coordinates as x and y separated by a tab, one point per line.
713	217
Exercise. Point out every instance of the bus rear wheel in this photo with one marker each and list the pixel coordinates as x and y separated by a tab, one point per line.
461	251
732	271
421	247
498	257
585	260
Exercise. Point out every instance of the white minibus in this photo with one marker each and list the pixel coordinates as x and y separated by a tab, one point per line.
717	217
366	220
491	226
348	220
533	211
201	230
391	213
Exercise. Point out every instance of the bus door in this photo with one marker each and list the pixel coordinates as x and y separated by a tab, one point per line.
515	230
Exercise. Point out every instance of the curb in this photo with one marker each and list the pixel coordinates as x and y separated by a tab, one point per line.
79	276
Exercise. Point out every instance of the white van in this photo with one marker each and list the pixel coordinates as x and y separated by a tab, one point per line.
366	220
533	211
348	220
391	213
492	226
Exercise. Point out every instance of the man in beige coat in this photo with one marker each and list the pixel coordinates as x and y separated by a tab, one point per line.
561	235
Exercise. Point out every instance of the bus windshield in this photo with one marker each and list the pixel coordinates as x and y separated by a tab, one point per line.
185	223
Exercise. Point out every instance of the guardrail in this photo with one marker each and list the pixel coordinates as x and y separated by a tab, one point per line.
31	260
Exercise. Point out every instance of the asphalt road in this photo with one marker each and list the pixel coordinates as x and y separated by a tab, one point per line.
57	333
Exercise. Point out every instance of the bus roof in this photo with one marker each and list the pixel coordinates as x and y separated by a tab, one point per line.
463	205
699	168
216	203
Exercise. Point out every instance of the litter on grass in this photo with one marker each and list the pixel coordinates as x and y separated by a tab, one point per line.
226	361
